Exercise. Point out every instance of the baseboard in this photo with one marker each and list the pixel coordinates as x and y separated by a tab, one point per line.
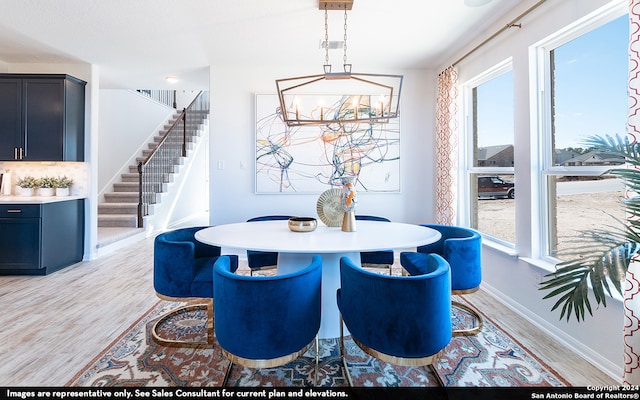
611	369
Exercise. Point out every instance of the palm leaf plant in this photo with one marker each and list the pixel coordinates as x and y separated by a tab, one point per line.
600	257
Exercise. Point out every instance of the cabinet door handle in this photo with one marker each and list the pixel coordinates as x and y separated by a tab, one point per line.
15	153
14	211
21	153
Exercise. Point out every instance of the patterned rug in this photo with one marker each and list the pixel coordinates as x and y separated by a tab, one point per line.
491	358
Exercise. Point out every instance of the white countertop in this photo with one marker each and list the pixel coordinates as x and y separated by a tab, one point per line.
36	199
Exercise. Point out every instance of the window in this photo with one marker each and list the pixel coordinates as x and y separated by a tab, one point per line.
490	181
583	93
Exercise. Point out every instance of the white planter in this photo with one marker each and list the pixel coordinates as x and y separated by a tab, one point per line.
62	192
46	192
20	191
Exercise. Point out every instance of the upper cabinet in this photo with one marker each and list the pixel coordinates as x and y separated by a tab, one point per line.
41	117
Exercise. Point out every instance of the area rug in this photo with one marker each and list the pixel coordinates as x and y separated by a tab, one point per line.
492	358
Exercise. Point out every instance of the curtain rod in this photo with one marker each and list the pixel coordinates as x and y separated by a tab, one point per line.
511	24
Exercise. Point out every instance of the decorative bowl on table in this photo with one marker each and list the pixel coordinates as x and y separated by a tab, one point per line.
302	224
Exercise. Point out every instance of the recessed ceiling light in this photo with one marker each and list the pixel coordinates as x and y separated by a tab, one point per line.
171	79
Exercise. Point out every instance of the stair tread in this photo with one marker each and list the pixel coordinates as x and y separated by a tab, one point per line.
120	206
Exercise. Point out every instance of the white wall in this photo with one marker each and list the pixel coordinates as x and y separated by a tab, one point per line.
185	97
513	278
122	137
233	150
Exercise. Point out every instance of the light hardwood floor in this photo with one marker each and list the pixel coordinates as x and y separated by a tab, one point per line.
52	326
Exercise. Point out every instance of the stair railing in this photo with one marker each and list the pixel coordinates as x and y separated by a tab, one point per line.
154	172
166	97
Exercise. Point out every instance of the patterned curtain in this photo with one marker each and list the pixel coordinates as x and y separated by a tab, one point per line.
446	147
632	282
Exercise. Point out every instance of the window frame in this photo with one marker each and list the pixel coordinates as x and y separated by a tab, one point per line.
468	149
542	126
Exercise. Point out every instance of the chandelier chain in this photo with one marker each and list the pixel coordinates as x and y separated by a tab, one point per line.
344	58
326	36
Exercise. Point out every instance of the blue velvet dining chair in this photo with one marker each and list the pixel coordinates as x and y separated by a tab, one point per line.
263	260
462	248
380	258
267	321
410	327
183	271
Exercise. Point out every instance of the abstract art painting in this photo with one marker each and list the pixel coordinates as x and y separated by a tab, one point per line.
313	158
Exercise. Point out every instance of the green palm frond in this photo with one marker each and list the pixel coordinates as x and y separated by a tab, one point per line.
599	258
602	268
617	146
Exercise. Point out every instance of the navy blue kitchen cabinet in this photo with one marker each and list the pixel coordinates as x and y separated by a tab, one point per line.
37	239
41	117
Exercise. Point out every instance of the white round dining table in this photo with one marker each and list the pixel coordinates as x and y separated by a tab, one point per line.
295	250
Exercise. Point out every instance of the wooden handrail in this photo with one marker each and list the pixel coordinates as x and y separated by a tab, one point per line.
163	157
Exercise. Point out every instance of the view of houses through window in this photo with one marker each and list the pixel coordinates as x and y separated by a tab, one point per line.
492	186
584	95
587	97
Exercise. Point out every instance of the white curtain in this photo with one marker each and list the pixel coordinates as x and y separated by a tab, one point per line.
632	282
446	147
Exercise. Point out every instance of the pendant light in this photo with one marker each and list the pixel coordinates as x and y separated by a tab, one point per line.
339	97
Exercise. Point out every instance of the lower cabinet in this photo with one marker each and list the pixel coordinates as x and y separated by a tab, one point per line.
37	239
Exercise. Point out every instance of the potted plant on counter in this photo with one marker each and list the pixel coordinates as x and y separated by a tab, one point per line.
46	186
26	185
63	185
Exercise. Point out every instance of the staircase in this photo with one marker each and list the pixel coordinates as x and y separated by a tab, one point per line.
121	206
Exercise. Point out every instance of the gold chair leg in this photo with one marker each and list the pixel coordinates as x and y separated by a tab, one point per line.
180	343
210	323
435	372
388	267
342	353
315	378
226	374
476	328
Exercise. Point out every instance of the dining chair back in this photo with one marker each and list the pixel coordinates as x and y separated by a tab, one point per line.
411	326
263	260
183	271
376	259
266	321
462	248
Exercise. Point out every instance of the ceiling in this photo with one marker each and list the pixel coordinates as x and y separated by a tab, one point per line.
138	43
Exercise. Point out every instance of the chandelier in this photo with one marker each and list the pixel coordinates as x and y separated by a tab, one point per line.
338	96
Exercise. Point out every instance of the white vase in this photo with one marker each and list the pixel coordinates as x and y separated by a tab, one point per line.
62	192
348	201
20	191
46	192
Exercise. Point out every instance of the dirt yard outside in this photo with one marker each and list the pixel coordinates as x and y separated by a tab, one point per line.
575	212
